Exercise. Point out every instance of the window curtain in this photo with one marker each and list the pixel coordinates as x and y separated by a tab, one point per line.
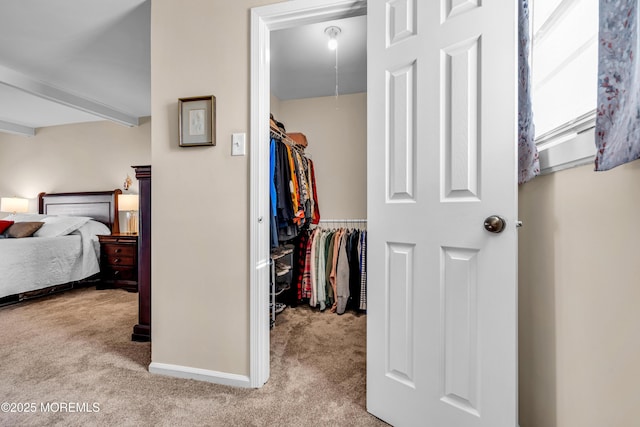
528	162
618	111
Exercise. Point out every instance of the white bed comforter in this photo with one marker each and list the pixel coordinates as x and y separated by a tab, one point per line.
38	262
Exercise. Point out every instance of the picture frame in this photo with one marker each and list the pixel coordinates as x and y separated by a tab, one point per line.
197	121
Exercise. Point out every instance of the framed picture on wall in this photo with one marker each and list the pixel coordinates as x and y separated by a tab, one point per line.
197	121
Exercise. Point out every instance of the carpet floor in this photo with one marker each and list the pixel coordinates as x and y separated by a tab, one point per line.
67	360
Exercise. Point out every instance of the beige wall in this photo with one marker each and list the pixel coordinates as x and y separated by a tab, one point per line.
579	333
200	195
92	156
336	130
275	106
200	273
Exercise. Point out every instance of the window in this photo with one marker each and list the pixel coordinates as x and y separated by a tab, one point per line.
564	65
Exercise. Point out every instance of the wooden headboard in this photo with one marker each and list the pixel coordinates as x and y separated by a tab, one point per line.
99	205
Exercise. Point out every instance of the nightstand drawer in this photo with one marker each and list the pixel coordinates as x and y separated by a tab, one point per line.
115	250
119	238
120	273
113	260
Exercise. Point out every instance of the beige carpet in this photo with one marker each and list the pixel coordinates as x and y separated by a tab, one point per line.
75	348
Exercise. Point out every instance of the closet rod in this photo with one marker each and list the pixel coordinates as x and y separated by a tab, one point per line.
283	136
347	221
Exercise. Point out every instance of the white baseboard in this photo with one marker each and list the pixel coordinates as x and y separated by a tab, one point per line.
187	372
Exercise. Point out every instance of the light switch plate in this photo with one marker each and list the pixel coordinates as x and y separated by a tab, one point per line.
238	144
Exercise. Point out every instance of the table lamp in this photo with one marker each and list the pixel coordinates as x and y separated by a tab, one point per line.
14	205
130	204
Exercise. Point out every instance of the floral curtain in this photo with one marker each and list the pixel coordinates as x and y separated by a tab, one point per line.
618	112
528	162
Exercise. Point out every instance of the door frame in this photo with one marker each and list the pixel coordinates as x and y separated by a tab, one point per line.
264	19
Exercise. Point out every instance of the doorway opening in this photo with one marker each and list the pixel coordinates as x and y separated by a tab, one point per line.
265	20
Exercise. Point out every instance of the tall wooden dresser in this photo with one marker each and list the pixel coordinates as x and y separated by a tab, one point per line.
142	331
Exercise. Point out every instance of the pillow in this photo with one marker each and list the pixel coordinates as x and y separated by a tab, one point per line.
95	228
26	217
4	224
55	226
23	229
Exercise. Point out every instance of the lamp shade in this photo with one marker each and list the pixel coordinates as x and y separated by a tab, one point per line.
14	204
128	202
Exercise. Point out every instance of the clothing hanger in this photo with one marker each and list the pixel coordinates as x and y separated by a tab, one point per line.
276	132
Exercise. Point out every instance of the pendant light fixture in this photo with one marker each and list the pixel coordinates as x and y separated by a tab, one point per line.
333	32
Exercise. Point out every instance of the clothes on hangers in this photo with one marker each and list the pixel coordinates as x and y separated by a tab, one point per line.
330	269
293	192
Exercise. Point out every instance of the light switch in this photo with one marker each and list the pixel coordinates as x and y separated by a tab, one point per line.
238	144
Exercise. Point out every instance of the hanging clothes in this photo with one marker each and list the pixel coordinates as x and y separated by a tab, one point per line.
354	269
332	269
315	212
342	275
305	285
293	192
363	271
273	194
299	260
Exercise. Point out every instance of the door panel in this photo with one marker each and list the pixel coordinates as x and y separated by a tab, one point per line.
442	297
401	20
459	307
399	330
459	104
401	139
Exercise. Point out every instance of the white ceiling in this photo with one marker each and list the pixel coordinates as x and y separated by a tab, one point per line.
302	66
72	61
91	54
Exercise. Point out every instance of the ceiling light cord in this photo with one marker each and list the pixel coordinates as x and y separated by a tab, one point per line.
333	32
336	72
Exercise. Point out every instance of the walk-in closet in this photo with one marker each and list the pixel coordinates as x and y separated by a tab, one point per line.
318	193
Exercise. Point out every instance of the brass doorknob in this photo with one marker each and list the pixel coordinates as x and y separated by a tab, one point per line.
494	224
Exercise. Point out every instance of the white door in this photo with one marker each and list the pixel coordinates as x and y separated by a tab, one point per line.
442	290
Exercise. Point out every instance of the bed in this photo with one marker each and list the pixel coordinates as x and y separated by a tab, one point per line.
64	251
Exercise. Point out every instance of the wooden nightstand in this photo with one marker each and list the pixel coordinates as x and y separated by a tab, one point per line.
119	261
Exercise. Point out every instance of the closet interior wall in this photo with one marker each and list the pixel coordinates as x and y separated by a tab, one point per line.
335	128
